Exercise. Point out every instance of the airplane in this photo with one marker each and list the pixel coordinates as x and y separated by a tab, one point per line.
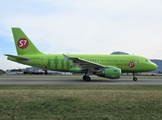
107	66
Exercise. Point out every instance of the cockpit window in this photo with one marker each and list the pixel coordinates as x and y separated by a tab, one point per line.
148	60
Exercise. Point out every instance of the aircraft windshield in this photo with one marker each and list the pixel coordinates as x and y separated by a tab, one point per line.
148	60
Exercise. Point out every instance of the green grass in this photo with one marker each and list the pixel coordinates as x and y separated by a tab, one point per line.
64	102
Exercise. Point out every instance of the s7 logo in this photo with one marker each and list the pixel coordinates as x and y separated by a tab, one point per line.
23	43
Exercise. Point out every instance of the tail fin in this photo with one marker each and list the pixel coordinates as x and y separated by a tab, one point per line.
23	43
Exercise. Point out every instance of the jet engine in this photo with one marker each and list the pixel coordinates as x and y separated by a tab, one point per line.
111	73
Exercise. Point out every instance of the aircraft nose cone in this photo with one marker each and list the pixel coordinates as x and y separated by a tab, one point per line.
154	66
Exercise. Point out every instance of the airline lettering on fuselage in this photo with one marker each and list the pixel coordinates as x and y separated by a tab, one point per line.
130	64
23	43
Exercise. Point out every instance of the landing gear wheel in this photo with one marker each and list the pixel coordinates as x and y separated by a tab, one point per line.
86	78
134	78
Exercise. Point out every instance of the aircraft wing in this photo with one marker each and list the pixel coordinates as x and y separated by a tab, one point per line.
85	64
17	57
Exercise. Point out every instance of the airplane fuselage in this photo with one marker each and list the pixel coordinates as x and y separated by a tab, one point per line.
57	62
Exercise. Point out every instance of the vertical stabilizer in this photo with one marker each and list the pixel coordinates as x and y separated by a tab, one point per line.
23	43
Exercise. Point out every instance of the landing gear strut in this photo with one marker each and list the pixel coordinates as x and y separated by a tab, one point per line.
45	72
134	77
86	78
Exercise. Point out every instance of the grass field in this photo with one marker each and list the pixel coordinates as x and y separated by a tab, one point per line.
64	102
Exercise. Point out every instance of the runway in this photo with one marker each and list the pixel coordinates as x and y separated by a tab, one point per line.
77	80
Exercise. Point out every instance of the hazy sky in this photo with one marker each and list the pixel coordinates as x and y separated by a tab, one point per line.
83	26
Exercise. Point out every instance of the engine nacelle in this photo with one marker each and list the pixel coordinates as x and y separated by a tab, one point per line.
111	73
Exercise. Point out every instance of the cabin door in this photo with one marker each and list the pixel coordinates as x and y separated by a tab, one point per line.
137	61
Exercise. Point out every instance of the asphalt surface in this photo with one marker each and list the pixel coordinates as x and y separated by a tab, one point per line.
77	80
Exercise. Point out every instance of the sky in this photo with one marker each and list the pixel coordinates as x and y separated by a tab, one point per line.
83	26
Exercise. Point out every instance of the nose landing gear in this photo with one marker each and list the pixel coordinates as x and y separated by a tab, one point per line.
134	77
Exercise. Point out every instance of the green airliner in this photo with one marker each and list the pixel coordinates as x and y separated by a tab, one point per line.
107	66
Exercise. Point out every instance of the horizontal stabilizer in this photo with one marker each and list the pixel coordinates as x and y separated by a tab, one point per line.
17	57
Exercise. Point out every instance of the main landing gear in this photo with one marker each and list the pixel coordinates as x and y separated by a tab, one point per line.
134	77
86	78
45	72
